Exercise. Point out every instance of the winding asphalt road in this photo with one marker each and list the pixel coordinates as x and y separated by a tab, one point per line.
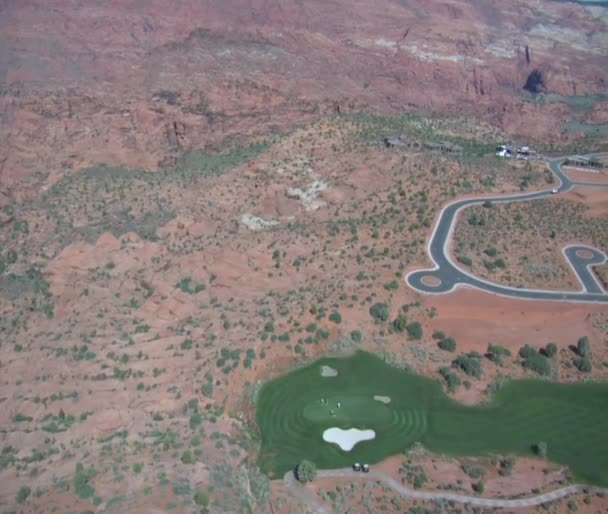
312	501
447	275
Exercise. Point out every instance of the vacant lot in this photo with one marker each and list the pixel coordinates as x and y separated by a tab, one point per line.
520	244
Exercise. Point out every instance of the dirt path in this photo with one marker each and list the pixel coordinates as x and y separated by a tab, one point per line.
313	503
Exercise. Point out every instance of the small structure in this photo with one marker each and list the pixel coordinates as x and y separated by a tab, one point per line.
503	151
584	162
400	141
443	147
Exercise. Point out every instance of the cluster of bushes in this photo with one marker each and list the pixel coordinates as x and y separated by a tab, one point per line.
496	353
470	363
452	379
583	349
535	360
305	471
380	312
445	343
467	261
492	265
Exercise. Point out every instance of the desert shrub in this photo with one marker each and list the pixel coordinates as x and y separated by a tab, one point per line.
538	363
550	350
526	351
400	323
506	466
479	487
306	471
414	331
470	364
356	336
473	472
583	347
496	352
82	477
467	261
380	312
201	498
448	344
541	449
23	494
452	379
187	457
583	364
336	317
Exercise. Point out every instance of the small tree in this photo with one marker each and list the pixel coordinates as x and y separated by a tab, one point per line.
201	498
550	349
541	449
400	323
583	364
23	494
306	471
582	347
448	344
336	317
414	331
379	311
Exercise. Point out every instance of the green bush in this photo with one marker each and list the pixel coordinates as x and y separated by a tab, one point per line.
356	336
496	352
527	351
550	350
82	477
187	457
583	364
336	317
414	331
201	498
541	449
583	347
400	323
467	261
453	381
538	363
23	494
380	312
306	471
448	344
470	364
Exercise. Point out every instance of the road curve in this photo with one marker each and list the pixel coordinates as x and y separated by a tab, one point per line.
447	275
530	501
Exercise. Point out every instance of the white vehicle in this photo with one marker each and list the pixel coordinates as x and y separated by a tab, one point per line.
553	191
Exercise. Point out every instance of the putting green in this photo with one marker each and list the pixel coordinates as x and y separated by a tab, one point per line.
294	410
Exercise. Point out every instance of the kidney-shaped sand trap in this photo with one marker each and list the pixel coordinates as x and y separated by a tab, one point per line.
347	439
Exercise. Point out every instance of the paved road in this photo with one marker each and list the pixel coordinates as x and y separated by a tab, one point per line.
312	501
447	274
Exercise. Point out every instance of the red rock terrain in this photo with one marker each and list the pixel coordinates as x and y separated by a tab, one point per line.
87	83
148	286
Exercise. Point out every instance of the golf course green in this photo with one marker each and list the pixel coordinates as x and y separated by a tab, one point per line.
293	412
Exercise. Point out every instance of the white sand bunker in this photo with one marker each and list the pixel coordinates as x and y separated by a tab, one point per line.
347	439
328	371
383	399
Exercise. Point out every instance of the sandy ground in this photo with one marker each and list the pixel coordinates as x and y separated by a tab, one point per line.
583	175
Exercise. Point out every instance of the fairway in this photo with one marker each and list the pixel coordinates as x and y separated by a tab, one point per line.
294	410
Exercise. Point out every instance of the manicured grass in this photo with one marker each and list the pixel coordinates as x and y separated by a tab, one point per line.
571	418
